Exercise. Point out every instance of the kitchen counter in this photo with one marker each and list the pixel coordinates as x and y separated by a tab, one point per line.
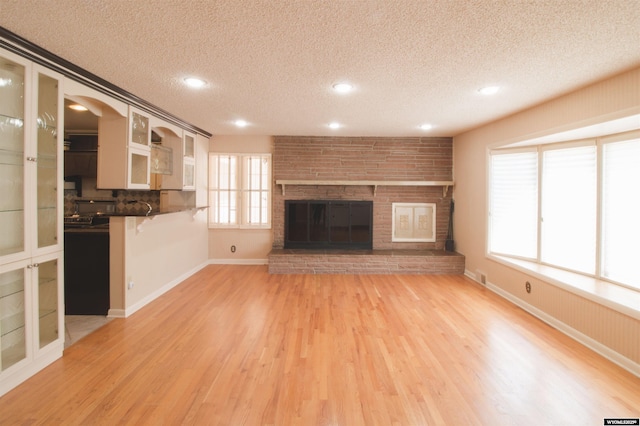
167	210
89	228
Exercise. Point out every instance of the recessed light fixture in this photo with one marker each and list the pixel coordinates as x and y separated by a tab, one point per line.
426	126
489	90
334	125
241	123
343	87
77	107
195	83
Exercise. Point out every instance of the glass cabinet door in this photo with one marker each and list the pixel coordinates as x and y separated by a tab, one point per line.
139	168
12	157
47	161
12	317
189	145
140	129
48	302
189	175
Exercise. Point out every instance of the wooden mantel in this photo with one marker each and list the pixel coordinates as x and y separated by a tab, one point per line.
373	183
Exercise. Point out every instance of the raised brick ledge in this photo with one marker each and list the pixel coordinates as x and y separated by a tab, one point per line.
306	261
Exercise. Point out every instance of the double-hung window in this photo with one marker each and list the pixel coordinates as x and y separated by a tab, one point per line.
239	190
572	206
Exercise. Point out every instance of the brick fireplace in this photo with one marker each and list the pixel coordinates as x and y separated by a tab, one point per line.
366	159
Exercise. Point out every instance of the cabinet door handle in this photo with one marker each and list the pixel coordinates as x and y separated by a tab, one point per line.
34	159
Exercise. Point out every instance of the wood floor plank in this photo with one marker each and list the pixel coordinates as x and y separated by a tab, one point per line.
233	345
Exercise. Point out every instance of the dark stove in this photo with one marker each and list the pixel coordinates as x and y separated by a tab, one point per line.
80	221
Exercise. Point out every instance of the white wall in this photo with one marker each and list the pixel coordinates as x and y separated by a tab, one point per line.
251	246
604	329
155	254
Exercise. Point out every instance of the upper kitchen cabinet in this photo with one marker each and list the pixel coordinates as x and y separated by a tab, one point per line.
124	151
183	176
179	144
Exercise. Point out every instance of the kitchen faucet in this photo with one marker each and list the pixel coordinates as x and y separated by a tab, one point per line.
142	202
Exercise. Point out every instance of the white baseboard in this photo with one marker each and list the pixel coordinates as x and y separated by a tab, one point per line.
152	296
116	313
576	335
238	261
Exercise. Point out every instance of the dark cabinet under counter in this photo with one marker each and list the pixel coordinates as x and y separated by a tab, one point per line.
86	265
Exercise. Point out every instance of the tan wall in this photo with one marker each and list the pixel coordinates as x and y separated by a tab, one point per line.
614	98
252	246
155	253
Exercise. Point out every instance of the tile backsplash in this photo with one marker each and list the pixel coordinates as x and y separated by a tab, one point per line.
118	197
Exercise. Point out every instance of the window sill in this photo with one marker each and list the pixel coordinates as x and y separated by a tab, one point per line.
621	299
243	227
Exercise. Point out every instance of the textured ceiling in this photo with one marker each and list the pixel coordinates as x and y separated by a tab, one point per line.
273	62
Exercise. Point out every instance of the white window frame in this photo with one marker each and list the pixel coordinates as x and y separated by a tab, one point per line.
242	187
600	142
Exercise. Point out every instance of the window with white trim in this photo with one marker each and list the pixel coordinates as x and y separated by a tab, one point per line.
239	190
513	209
569	205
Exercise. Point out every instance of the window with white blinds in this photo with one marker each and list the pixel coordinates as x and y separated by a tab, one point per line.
585	198
239	190
256	189
620	211
569	205
513	210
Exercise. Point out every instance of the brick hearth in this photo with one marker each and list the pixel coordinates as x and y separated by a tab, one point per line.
303	261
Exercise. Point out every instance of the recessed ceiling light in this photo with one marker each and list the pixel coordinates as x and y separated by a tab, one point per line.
426	126
342	87
241	123
489	90
196	83
334	125
77	107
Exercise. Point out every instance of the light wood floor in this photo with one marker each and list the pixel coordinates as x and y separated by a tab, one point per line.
234	345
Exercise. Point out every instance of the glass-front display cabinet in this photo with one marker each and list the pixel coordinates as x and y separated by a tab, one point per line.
13	316
12	157
47	198
48	282
31	246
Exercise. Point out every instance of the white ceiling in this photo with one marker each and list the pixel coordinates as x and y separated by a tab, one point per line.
273	62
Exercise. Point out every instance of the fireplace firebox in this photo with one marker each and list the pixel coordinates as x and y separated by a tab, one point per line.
328	224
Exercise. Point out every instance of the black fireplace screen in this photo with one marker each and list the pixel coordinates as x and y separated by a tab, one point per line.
328	224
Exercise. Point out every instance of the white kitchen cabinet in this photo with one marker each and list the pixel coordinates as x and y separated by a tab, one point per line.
30	302
124	151
189	162
183	176
165	153
31	276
